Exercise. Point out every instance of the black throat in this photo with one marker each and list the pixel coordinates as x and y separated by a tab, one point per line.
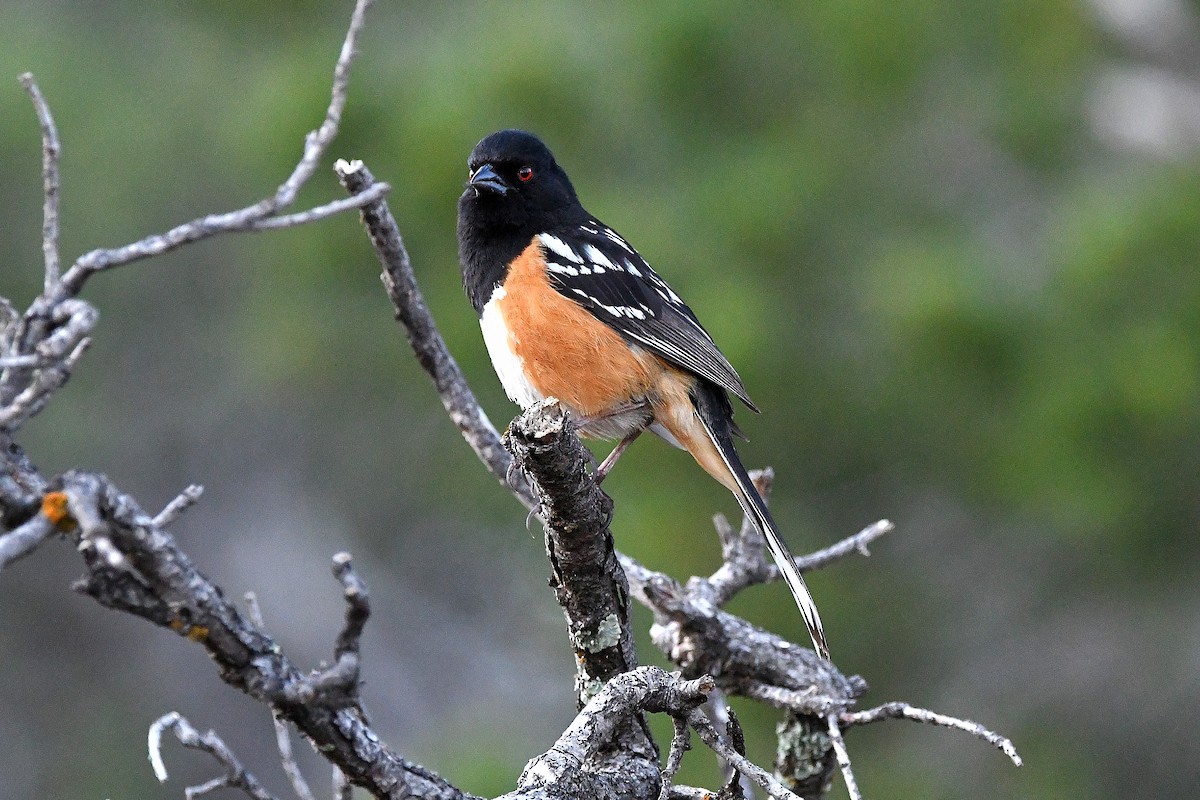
485	255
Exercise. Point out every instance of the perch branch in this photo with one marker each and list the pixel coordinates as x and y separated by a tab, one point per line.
571	768
427	343
587	580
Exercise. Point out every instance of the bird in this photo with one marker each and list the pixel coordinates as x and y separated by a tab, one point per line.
570	310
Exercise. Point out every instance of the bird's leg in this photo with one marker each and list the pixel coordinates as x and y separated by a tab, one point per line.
612	457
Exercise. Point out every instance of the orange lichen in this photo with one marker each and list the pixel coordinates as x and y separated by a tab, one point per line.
54	508
197	633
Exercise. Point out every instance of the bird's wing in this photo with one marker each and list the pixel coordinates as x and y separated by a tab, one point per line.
592	265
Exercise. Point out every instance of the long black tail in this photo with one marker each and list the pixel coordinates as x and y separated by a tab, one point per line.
715	415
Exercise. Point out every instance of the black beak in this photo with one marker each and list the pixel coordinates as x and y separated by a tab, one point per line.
485	179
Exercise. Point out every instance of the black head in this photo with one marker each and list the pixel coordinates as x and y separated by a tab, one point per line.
514	182
515	190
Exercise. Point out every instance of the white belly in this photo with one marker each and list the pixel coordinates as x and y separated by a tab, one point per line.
505	360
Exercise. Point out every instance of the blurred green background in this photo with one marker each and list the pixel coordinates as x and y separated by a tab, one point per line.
951	247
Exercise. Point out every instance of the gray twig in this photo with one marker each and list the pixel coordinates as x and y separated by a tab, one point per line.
50	153
321	212
427	343
283	736
843	758
22	541
175	509
46	381
709	735
21	362
858	543
691	793
342	790
248	218
901	710
681	742
358	606
236	776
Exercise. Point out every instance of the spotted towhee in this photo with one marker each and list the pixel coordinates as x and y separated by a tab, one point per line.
570	310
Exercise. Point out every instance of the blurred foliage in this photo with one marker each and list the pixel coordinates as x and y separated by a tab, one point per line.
960	304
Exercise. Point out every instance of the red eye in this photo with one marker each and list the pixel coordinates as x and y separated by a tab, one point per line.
525	173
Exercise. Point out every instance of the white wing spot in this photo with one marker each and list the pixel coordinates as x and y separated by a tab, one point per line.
559	247
616	237
596	257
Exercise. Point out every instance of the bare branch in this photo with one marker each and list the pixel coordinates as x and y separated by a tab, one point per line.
22	362
345	670
691	793
570	764
141	571
45	383
50	184
24	540
317	141
681	742
321	212
236	776
248	218
901	710
587	580
857	543
746	562
175	509
739	762
426	341
843	758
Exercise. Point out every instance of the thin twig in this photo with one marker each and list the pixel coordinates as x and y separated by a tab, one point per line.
174	509
50	182
37	394
236	776
427	343
843	757
21	362
321	212
316	142
283	738
22	541
315	145
857	543
342	790
901	710
358	606
712	738
681	742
